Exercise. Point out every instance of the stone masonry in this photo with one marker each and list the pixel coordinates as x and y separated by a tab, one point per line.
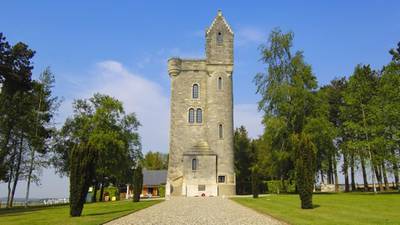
201	149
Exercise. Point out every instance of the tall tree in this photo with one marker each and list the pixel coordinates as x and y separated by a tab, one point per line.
16	84
360	91
242	156
288	101
99	138
137	183
44	106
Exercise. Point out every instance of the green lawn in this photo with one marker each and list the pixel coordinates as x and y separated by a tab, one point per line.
94	213
344	208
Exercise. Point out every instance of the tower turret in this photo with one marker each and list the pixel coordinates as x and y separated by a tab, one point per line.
219	41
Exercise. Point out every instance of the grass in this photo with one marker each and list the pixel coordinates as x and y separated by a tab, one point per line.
94	213
343	208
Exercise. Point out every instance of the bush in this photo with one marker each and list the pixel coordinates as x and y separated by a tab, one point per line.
110	191
277	186
305	155
161	191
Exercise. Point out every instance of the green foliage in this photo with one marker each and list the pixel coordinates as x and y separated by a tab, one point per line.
137	183
243	160
98	144
26	110
305	157
155	161
289	103
278	186
110	191
161	191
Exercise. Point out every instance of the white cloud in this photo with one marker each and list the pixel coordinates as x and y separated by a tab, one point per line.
248	116
139	95
250	35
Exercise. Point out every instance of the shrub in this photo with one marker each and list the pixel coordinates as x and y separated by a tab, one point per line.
278	186
161	191
305	155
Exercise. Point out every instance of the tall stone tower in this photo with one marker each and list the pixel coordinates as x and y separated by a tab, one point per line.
201	133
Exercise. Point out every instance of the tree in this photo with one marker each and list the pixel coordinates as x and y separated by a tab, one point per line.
99	139
44	108
359	111
242	156
23	129
137	183
155	161
16	84
288	102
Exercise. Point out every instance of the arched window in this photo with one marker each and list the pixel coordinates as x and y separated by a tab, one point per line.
219	83
199	116
195	91
220	131
194	164
191	116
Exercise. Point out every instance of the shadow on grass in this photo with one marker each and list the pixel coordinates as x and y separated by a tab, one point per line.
316	206
108	212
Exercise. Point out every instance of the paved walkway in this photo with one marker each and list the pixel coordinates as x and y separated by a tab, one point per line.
196	211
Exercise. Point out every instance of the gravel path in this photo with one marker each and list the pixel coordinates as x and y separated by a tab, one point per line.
199	211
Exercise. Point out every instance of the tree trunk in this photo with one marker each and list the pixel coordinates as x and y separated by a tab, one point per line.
364	173
322	176
254	184
336	174
329	175
17	171
94	199
385	179
9	190
395	169
32	161
353	182
378	177
101	192
346	173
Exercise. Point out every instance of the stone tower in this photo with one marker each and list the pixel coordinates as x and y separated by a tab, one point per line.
201	132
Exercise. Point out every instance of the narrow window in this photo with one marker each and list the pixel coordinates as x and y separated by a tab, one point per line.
195	91
194	164
220	131
220	38
191	115
219	83
221	179
199	116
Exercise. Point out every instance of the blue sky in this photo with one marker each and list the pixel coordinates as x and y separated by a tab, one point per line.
121	48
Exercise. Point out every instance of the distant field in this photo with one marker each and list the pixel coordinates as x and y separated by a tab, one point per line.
94	213
344	208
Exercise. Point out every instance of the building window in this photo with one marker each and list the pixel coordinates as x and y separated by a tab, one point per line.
194	164
201	187
199	116
219	83
191	116
220	131
221	179
195	91
220	37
